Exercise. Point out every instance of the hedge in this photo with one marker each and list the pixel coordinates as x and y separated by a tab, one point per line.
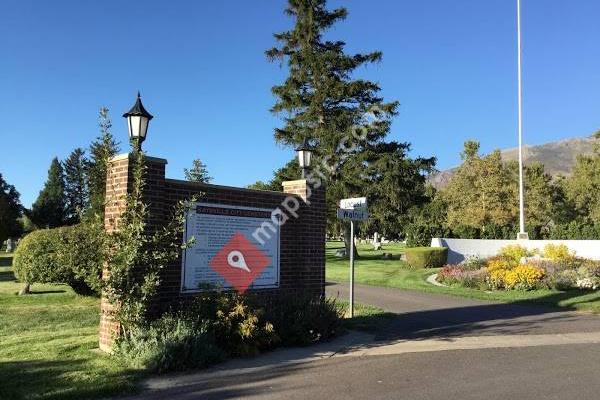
70	255
426	257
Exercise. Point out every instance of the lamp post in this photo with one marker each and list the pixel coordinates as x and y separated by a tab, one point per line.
138	120
304	153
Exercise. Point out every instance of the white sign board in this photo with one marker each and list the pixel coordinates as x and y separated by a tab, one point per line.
354	203
224	248
352	214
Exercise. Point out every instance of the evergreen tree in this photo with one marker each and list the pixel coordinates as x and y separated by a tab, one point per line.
101	151
198	172
397	184
76	190
259	185
289	172
49	210
10	211
322	101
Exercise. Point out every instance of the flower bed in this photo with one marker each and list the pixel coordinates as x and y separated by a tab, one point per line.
515	268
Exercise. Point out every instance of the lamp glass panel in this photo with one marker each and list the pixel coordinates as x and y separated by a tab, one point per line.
134	126
143	127
301	158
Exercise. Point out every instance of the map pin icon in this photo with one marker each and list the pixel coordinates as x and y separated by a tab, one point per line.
235	259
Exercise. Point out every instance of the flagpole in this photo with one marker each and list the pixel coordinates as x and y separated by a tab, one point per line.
522	234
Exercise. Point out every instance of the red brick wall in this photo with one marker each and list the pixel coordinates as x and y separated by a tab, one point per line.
302	239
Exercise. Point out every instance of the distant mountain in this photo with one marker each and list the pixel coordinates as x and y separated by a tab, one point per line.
558	157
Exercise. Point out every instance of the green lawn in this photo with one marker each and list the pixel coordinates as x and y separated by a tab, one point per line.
47	344
49	340
370	269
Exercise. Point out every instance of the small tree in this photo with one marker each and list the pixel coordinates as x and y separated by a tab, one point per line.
101	151
482	193
49	210
76	188
198	172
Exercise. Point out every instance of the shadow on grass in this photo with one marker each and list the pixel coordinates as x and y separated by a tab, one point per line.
34	292
63	379
5	261
6	276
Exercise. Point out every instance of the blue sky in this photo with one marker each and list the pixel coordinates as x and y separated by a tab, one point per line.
202	72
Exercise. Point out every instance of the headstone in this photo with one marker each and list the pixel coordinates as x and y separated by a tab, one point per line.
377	246
9	245
375	238
340	253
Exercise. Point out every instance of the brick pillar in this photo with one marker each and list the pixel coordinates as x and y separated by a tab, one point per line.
310	233
118	184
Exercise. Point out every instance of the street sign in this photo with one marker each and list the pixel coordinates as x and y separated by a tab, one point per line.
352	214
353	209
354	203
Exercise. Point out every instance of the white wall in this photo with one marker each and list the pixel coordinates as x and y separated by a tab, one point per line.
458	249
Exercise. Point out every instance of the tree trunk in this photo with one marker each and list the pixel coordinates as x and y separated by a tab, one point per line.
347	242
25	290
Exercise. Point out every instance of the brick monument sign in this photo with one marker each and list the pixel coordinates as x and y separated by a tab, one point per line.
264	242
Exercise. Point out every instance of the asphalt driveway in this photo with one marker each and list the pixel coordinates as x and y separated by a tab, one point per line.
438	347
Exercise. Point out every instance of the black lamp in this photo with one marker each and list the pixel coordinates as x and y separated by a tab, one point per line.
138	120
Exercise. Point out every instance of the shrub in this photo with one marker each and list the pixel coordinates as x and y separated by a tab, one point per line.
80	250
591	267
70	255
523	277
240	329
457	275
36	261
426	257
558	253
562	279
514	252
169	344
496	279
499	263
473	263
302	319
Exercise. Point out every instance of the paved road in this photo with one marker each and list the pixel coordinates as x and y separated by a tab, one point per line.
426	315
439	347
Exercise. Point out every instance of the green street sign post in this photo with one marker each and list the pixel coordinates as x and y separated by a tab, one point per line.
353	209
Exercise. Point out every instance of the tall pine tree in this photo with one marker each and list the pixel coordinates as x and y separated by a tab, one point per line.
76	190
49	210
101	151
321	100
343	117
10	211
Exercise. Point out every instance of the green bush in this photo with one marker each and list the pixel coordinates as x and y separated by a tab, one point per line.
169	344
239	328
301	320
70	255
36	259
80	250
426	257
